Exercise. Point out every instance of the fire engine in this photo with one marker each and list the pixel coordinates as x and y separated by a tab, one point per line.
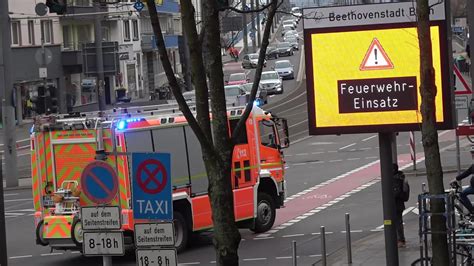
62	145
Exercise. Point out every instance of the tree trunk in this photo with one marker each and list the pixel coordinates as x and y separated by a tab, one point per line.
226	233
434	171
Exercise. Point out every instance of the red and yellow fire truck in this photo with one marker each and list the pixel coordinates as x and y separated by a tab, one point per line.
62	145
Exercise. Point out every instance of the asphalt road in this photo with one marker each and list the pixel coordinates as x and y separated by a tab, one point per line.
327	177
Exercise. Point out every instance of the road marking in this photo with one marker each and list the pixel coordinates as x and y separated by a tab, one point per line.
263	238
369	138
284	258
301	154
299	123
327	233
297	164
317	152
352	231
371	157
51	254
333	161
21	257
10	194
353	159
254	259
332	151
316	255
292	108
189	263
295	235
15	200
347	146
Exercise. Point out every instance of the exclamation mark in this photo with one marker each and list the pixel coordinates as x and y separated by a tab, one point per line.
375	52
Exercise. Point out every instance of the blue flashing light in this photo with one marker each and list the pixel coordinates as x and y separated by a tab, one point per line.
258	102
121	125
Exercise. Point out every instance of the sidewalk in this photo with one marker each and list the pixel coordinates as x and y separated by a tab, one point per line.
370	251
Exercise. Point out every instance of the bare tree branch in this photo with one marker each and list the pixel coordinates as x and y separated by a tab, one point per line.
258	73
240	11
155	22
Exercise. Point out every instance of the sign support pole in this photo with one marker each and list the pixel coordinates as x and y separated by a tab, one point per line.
391	249
3	233
6	88
107	261
470	10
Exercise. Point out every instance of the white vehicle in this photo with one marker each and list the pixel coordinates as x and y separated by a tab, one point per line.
290	22
272	82
285	29
297	12
292	33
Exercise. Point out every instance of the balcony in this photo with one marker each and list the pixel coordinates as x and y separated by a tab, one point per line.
148	42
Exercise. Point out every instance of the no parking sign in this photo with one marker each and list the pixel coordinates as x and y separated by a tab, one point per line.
151	193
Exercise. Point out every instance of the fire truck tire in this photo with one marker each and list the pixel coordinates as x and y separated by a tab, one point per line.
266	213
39	234
76	232
181	231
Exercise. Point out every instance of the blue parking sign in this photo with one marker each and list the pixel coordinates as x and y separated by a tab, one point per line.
151	186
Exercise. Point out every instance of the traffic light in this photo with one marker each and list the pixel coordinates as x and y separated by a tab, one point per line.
57	6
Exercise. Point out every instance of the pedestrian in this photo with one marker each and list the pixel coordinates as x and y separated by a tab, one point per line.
231	53
236	55
401	193
470	189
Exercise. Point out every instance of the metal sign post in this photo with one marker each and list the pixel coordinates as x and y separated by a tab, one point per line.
3	233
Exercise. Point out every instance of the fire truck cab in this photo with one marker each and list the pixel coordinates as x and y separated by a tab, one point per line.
62	145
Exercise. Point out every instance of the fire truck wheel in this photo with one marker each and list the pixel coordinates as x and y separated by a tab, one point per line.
39	234
181	231
266	213
76	232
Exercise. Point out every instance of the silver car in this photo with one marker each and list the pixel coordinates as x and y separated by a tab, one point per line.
271	82
285	69
251	61
293	42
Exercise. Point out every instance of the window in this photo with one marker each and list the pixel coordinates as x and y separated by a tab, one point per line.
47	31
135	29
67	42
16	33
126	30
267	134
31	32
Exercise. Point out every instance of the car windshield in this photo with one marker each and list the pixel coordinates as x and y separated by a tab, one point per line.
247	87
283	45
236	77
291	39
269	75
253	56
270	48
282	64
232	91
287	27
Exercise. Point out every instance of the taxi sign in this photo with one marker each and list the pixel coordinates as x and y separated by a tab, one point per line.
363	68
154	234
101	218
151	186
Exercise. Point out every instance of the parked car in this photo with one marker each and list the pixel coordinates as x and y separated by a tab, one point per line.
297	12
262	93
237	79
293	33
284	48
285	29
284	68
271	82
290	22
293	42
251	61
271	53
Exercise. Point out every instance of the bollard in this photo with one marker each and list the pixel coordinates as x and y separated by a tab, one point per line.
323	246
348	239
295	260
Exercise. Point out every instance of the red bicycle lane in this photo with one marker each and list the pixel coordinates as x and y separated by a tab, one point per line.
338	187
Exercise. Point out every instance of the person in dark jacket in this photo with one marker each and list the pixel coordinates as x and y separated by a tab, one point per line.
398	180
469	190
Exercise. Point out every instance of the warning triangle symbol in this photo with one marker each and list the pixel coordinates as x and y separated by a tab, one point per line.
376	58
460	85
